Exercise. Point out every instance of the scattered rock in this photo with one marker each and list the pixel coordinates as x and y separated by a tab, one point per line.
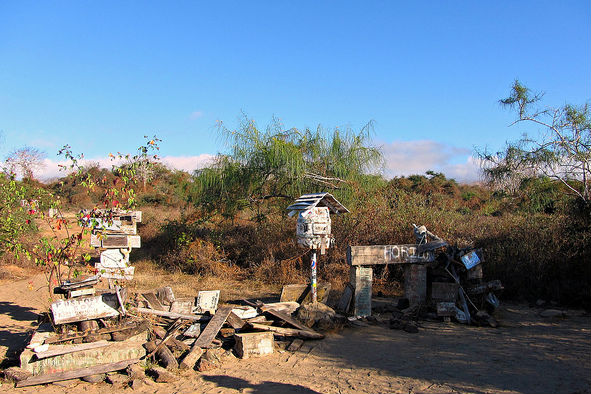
97	378
162	375
553	313
411	328
116	378
317	314
15	374
135	371
210	360
67	383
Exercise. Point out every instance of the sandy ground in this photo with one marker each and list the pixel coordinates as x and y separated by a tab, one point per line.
528	354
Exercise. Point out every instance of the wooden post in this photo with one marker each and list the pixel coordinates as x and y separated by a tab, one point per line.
361	279
313	280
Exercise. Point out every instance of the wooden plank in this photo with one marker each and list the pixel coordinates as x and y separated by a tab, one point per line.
286	318
57	350
77	373
288	332
387	254
345	300
191	358
81	292
153	301
212	328
83	308
171	315
107	330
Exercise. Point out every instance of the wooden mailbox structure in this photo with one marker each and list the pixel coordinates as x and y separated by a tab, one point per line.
361	260
314	226
115	234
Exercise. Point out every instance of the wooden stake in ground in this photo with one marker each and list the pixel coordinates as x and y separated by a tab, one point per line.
313	285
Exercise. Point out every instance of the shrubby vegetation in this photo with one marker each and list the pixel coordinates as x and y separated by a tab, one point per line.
229	219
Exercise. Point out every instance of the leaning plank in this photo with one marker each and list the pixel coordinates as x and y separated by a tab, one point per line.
65	349
171	315
213	327
286	318
288	332
77	373
153	301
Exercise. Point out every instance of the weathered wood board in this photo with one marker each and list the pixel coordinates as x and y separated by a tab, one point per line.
254	344
387	254
287	332
153	301
56	350
113	258
285	317
77	373
207	301
115	273
361	279
170	315
213	327
84	308
183	305
113	352
301	294
115	241
345	300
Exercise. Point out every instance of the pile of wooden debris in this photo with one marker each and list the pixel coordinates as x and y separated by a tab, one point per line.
91	336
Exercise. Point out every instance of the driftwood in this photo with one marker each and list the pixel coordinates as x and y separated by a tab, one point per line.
171	332
65	349
77	373
288	332
170	315
163	352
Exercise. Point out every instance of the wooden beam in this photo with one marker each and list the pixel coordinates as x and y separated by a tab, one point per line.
387	254
77	373
288	332
170	315
286	318
57	350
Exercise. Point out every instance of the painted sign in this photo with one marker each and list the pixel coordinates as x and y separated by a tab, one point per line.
84	308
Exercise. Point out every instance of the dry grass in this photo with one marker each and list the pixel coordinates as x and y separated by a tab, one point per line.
149	276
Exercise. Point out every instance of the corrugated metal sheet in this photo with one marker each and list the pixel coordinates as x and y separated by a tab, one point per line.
308	201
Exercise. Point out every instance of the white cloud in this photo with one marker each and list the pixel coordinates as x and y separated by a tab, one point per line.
196	115
188	163
51	168
404	158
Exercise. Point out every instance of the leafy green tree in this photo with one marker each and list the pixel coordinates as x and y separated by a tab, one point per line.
561	152
278	165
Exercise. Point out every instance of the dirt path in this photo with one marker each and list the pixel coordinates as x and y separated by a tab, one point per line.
528	355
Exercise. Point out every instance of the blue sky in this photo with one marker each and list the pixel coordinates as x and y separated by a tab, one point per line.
101	75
